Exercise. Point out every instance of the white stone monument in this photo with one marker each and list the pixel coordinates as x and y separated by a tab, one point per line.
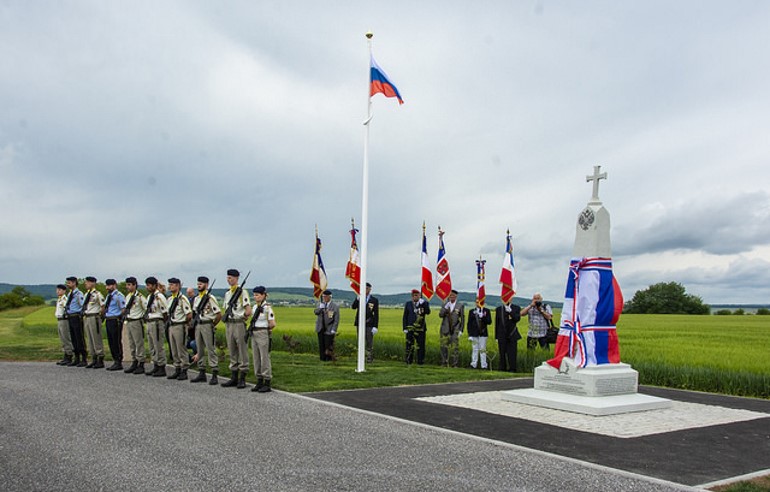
598	389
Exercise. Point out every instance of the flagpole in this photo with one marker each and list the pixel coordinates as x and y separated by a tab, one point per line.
364	222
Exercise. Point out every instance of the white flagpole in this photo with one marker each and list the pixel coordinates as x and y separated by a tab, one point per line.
364	222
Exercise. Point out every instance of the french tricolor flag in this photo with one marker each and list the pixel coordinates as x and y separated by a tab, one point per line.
427	276
380	83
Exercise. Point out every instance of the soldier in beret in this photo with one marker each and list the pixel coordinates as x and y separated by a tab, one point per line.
133	325
74	312
206	307
155	315
179	314
63	325
113	310
261	327
237	310
92	310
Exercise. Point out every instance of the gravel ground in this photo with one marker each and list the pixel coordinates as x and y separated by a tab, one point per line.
75	428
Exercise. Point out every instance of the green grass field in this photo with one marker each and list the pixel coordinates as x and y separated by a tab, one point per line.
724	354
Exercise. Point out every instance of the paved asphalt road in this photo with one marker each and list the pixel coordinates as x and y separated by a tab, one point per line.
75	428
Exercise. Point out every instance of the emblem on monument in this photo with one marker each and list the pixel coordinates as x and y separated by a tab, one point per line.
586	219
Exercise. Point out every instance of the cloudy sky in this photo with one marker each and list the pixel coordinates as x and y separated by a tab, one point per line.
184	138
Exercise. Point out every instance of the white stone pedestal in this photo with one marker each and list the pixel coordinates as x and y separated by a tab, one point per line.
606	389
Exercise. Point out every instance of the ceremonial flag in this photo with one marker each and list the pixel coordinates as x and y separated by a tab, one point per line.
444	284
592	305
353	269
508	273
379	82
318	272
427	275
481	291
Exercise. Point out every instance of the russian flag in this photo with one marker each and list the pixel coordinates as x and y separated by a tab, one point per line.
379	82
593	302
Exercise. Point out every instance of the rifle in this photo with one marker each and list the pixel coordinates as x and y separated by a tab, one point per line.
253	323
69	301
127	309
174	305
234	299
198	312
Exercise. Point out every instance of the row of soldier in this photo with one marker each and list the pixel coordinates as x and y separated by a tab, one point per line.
80	315
179	318
452	314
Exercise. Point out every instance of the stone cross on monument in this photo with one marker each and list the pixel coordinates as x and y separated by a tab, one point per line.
595	177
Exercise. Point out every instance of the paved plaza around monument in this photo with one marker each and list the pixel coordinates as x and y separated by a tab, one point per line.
76	428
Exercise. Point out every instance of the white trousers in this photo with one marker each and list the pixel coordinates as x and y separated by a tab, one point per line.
479	345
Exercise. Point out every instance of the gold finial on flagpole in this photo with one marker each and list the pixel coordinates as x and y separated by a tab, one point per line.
369	34
423	227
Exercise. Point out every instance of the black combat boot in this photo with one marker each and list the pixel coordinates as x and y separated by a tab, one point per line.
160	371
200	378
74	361
83	360
214	379
152	371
265	387
139	368
182	375
241	380
175	375
99	362
64	361
259	384
131	368
233	381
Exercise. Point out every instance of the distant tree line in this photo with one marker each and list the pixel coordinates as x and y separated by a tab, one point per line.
666	298
19	297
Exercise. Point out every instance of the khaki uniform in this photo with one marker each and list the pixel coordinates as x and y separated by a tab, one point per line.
260	341
156	316
177	331
63	325
92	322
235	330
134	327
204	332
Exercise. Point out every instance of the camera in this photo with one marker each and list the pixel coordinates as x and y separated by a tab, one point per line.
539	304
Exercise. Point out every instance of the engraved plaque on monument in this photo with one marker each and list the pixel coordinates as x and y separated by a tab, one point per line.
586	375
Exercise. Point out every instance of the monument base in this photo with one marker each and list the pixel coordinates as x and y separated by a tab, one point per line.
588	405
606	389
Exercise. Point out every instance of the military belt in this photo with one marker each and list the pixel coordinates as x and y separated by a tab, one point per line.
91	315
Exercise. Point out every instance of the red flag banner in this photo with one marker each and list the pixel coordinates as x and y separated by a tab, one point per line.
353	268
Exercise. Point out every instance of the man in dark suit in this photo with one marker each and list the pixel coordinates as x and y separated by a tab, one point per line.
414	326
372	319
478	321
507	335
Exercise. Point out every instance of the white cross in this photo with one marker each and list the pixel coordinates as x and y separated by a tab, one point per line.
595	178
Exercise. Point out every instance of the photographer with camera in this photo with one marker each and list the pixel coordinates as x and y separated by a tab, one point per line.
538	314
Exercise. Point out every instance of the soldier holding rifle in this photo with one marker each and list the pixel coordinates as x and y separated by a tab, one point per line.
133	325
155	315
179	314
237	311
261	327
206	315
92	310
